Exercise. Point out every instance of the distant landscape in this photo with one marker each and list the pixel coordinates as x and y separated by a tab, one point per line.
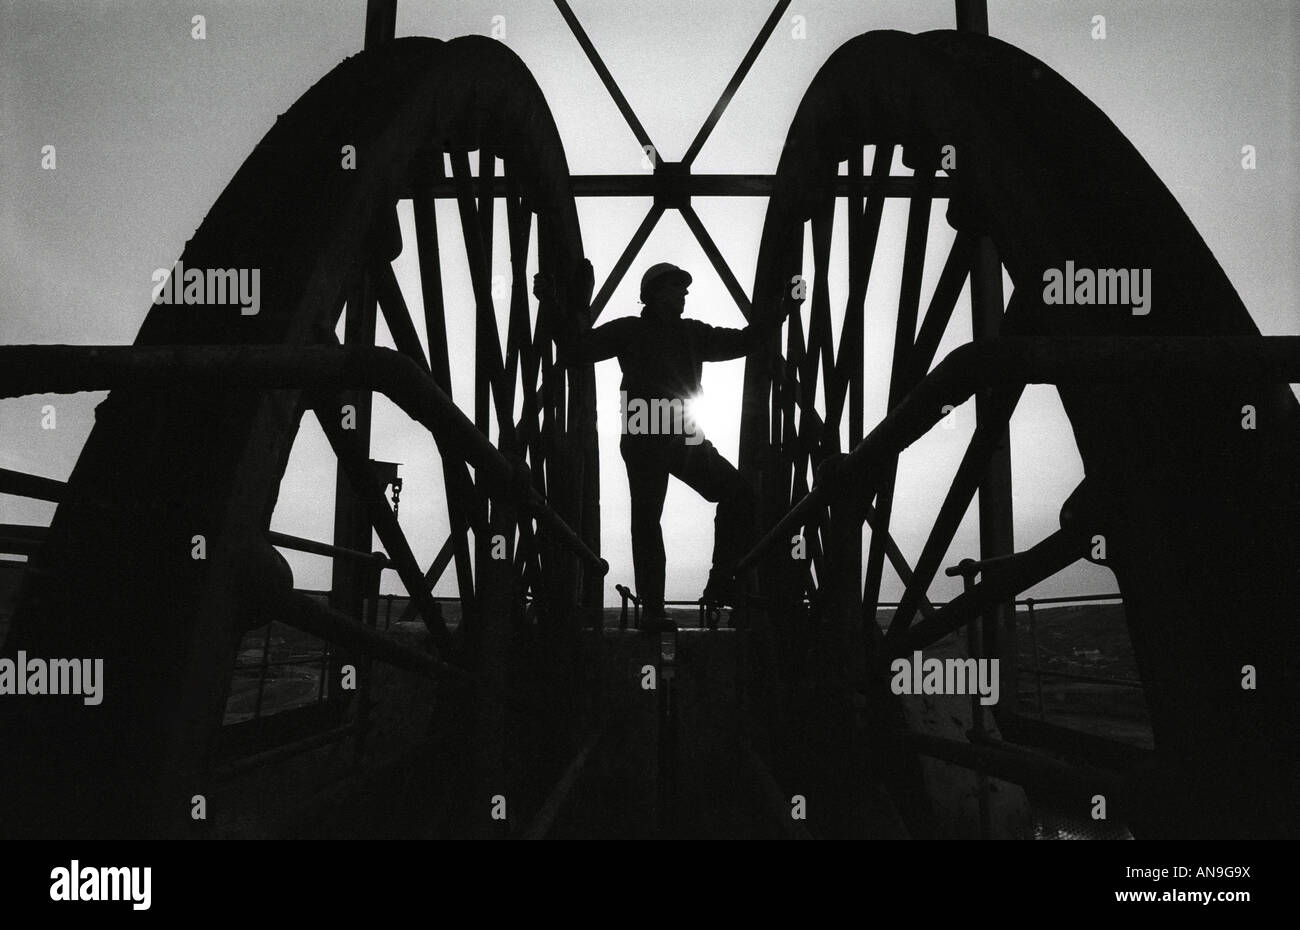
1087	640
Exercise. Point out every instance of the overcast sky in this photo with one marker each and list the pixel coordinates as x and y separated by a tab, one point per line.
149	126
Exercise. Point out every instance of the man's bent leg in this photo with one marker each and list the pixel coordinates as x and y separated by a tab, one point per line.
705	470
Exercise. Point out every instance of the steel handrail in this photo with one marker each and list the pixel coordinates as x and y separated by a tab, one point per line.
69	369
1010	361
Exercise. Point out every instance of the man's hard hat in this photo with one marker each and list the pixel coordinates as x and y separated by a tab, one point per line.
662	273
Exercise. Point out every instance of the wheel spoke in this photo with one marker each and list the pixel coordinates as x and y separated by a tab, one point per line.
397	315
431	577
909	300
488	370
896	558
820	350
457	483
864	233
519	343
951	280
955	505
356	463
430	262
816	560
487	170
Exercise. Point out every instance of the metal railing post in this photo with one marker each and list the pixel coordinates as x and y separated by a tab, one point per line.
261	678
625	595
1038	675
365	670
968	569
666	673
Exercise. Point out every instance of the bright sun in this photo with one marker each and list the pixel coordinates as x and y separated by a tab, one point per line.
704	411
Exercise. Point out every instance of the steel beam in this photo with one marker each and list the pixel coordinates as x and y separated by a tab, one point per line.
305	613
642	137
625	260
683	186
351	525
1049	556
734	84
299	544
381	22
60	369
973	16
997	526
21	484
719	263
1032	770
21	538
996	520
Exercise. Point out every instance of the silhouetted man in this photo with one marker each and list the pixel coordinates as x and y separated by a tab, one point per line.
662	357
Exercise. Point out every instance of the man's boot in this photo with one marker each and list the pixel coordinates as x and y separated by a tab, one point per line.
654	620
721	590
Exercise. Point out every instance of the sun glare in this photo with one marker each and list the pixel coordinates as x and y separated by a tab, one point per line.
702	410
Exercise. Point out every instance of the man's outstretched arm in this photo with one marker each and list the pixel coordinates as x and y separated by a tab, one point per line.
575	344
594	345
723	343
